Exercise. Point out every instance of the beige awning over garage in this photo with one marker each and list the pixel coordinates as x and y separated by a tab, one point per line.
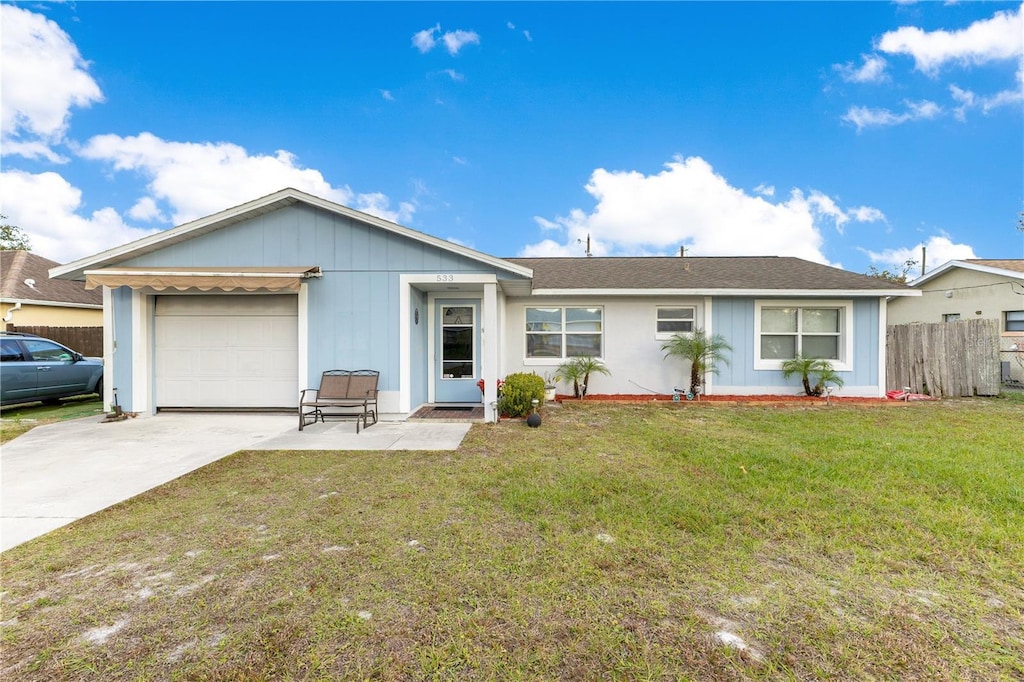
203	279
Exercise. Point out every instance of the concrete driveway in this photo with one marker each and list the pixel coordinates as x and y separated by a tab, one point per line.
58	473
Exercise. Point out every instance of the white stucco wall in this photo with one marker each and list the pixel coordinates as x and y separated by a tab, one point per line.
632	351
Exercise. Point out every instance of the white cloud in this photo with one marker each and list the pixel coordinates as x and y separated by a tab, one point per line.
387	96
197	179
426	40
510	25
688	204
47	207
986	40
42	76
866	117
939	249
871	71
866	214
765	190
460	160
971	100
529	38
454	75
546	224
146	209
456	40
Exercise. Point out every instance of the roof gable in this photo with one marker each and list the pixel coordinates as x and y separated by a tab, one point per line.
748	275
1006	267
21	267
272	202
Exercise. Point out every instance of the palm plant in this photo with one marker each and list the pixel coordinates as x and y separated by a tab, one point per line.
704	353
578	371
812	368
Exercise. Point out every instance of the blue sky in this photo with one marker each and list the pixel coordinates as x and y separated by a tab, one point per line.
845	133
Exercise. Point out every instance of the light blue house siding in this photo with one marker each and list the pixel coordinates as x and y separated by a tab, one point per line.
353	310
121	302
734	318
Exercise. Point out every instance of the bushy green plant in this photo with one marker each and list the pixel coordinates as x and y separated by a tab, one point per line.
578	371
518	393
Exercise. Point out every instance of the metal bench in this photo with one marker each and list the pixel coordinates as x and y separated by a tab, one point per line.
343	394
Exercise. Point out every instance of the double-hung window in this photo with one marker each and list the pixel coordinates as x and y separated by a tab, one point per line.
1014	321
564	332
810	329
675	320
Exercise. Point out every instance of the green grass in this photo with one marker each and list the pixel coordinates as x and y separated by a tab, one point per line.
613	542
18	419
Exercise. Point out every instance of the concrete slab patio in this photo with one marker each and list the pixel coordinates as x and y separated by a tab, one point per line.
57	473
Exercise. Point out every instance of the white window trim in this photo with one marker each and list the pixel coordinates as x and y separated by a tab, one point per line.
527	360
845	361
664	336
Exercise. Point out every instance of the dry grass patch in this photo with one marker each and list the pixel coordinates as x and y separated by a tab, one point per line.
616	541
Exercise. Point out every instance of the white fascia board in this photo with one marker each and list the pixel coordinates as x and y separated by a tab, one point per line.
162	272
763	293
414	235
76	269
945	267
54	304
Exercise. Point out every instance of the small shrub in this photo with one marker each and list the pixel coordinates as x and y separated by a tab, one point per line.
578	371
518	392
815	373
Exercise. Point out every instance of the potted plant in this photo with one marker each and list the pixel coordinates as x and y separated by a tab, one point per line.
809	368
549	388
704	353
578	371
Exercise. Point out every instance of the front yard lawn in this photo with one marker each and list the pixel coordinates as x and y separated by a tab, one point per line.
625	542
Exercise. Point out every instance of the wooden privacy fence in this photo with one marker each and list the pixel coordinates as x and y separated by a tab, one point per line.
86	340
944	359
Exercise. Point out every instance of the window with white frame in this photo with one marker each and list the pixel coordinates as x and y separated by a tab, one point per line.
675	320
1014	321
564	332
811	329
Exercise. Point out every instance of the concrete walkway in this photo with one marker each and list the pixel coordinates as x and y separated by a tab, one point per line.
58	473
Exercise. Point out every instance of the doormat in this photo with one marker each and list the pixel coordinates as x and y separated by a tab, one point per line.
451	412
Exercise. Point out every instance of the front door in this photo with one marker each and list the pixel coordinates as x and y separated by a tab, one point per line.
457	343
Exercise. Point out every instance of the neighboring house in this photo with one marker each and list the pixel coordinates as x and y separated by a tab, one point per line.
972	289
246	307
29	298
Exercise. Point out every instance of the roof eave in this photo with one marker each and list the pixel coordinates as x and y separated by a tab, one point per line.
285	197
787	293
976	267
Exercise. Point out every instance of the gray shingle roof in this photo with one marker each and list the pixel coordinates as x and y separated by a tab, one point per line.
697	274
1014	264
17	266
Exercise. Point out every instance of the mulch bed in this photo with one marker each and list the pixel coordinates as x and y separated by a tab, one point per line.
732	399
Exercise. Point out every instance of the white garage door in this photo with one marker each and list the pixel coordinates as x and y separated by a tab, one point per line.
227	351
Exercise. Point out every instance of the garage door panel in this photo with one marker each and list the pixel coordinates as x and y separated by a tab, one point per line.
179	362
227	351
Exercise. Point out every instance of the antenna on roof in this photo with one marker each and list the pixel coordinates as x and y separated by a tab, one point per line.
580	241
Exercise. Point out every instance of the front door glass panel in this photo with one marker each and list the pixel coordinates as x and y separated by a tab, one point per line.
457	342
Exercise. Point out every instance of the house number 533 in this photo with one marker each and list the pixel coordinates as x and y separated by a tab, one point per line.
446	278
